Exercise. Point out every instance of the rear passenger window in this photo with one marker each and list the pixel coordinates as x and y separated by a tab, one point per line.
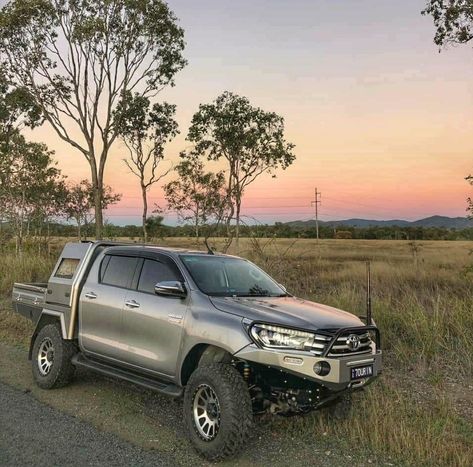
154	272
117	270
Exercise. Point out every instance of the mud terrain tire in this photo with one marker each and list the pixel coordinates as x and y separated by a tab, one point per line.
51	358
229	409
340	409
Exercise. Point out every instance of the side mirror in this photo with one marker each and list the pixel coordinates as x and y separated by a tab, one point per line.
170	289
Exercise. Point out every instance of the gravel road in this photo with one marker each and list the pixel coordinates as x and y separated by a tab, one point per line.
32	433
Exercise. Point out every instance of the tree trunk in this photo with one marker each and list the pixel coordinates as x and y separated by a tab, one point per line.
197	216
49	238
97	183
237	228
98	212
145	212
19	239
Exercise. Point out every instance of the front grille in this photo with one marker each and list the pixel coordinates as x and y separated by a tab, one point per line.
341	346
320	344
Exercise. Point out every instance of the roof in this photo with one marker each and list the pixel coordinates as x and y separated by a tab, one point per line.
157	249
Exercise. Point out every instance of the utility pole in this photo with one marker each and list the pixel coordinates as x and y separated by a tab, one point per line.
317	200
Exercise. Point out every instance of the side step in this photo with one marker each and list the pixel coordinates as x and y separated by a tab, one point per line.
168	389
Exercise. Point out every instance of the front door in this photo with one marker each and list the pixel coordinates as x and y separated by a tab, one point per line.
152	324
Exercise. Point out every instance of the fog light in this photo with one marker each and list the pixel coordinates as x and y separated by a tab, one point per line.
322	368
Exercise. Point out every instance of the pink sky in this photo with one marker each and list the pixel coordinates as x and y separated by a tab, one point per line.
381	121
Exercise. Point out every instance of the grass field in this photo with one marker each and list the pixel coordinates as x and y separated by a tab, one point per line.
420	412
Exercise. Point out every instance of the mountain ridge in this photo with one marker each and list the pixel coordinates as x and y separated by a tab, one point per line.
432	221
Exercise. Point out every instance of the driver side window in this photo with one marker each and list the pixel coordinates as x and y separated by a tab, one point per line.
154	272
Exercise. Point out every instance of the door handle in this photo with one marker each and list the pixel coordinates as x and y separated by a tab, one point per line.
91	295
132	304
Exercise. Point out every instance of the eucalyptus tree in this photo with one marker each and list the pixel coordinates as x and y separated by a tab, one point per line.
76	58
195	195
31	186
453	20
79	204
145	130
250	140
17	109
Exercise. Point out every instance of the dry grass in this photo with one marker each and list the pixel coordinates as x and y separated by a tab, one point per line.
419	413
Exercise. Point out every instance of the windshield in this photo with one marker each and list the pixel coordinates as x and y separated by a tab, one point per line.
227	277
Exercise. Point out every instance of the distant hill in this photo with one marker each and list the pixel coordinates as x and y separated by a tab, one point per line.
433	221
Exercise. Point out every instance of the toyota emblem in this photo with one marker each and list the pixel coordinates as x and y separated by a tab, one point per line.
353	342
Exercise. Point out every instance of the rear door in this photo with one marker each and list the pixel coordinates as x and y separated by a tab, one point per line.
101	305
153	324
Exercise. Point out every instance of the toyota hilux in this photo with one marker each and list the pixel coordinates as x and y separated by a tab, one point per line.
211	328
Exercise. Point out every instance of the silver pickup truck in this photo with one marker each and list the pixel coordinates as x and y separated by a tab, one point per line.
212	328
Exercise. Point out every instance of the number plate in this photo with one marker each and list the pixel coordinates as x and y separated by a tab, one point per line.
362	372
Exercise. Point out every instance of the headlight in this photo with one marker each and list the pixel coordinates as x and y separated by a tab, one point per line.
275	337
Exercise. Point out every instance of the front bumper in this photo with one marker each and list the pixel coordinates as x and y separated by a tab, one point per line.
302	364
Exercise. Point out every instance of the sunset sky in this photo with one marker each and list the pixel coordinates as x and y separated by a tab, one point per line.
381	120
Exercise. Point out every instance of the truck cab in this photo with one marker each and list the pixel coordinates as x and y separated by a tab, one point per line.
212	328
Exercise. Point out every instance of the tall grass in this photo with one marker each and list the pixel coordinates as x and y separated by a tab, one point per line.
423	306
25	268
388	423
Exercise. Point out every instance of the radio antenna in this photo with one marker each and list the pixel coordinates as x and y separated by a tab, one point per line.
368	293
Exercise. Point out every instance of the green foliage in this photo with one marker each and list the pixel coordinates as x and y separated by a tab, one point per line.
196	196
79	203
17	109
32	189
145	131
453	20
249	139
140	124
154	226
469	179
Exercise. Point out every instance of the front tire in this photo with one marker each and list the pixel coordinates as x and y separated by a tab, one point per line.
341	408
217	411
51	358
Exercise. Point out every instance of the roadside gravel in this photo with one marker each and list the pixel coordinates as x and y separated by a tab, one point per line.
32	433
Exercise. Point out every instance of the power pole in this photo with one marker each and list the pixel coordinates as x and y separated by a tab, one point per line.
317	200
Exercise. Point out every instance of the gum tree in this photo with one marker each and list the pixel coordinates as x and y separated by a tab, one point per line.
76	58
17	109
453	20
31	186
79	204
250	140
196	196
145	130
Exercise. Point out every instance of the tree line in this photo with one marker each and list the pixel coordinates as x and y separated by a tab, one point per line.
159	231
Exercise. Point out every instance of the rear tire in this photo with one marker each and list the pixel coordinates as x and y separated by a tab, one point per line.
217	411
51	358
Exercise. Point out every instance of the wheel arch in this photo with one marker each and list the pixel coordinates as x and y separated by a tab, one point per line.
202	354
47	317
